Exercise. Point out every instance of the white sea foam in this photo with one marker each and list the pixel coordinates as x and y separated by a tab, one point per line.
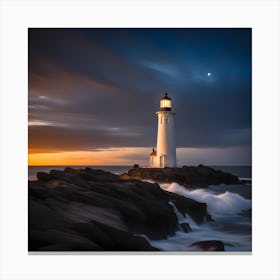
230	226
180	217
218	204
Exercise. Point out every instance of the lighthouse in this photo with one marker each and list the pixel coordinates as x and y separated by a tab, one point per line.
165	154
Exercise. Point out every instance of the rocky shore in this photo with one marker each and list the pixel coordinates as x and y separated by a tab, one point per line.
188	176
94	210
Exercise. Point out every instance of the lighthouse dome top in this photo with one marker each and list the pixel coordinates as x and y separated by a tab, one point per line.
165	103
166	97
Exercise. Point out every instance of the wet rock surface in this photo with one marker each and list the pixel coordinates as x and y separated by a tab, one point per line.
94	210
209	245
187	176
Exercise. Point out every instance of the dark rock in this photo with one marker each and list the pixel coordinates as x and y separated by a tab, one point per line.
42	176
90	174
72	246
68	177
188	176
124	241
42	217
58	240
87	209
125	176
72	170
94	233
196	210
185	227
209	245
37	189
99	175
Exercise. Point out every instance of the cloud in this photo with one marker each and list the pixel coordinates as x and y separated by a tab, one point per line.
46	139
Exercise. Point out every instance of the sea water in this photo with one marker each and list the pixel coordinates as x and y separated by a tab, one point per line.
230	211
229	206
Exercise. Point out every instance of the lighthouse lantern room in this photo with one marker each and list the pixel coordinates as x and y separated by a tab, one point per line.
165	154
165	103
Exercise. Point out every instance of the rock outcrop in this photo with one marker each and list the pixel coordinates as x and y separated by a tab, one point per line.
187	176
94	210
209	245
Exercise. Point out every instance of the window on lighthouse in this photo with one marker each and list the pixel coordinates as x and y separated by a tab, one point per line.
165	103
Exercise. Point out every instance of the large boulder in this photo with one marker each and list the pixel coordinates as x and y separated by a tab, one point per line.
209	245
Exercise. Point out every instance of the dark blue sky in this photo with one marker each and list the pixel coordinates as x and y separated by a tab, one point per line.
99	88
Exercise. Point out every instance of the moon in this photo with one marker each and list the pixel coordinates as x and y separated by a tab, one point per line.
209	74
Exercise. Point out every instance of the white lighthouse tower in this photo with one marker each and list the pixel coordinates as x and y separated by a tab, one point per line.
165	154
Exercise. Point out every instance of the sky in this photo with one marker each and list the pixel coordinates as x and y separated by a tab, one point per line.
93	94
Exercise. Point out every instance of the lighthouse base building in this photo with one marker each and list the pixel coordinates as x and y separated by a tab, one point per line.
165	154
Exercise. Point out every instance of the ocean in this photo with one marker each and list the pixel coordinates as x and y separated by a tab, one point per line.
229	206
231	211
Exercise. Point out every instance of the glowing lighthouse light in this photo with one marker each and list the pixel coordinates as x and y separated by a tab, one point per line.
165	102
165	154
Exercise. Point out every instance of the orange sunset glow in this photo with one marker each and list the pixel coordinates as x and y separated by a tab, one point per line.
99	157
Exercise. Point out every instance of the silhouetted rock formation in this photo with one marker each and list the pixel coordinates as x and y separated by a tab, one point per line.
188	176
93	210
